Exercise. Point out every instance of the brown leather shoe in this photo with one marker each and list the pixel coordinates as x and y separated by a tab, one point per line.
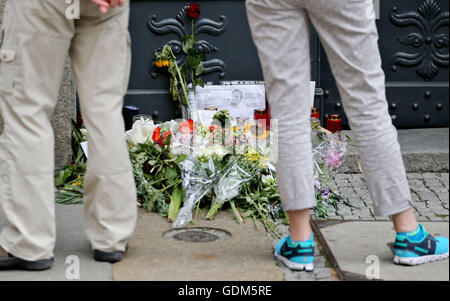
10	262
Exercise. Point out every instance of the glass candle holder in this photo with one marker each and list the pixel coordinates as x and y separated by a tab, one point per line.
315	113
334	123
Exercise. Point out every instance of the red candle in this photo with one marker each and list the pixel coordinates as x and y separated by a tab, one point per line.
334	123
315	113
263	117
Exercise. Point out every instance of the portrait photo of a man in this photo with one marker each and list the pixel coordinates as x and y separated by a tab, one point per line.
236	98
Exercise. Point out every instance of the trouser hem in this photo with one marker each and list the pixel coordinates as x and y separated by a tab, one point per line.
392	208
11	249
296	205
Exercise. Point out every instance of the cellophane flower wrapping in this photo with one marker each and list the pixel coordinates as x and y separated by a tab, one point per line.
330	150
198	178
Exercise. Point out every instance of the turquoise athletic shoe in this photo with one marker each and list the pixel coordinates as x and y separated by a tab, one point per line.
296	256
414	252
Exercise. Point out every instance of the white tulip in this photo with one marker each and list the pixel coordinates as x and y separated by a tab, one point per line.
141	131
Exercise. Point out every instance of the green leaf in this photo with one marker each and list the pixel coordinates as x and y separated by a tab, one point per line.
62	176
180	159
194	59
200	82
175	202
199	70
170	173
188	43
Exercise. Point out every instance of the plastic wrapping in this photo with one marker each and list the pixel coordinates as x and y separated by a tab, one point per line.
230	183
198	178
329	152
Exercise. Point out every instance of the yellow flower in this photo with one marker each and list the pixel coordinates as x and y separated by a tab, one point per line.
76	183
162	63
252	155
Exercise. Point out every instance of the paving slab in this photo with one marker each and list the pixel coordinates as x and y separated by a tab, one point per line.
71	240
352	243
423	150
245	256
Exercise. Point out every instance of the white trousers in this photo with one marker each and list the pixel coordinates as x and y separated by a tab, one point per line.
280	30
36	39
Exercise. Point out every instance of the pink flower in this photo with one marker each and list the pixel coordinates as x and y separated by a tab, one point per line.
333	159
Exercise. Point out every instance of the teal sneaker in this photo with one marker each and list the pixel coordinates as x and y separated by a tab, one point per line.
298	256
413	252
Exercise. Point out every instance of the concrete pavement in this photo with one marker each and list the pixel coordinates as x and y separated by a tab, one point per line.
71	241
247	255
364	250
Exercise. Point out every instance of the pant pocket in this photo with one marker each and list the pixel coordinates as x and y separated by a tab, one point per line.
7	69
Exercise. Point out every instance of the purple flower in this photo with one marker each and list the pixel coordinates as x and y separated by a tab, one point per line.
317	184
333	159
325	193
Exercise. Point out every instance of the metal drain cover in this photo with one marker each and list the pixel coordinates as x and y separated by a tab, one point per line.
197	234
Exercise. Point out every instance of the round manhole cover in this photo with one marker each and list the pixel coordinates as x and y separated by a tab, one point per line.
197	234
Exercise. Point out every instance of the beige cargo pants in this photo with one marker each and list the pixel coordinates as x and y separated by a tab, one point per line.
36	39
280	29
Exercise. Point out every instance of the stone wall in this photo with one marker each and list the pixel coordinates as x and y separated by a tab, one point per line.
64	112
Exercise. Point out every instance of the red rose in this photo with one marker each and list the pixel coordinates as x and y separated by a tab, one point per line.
187	127
193	11
157	135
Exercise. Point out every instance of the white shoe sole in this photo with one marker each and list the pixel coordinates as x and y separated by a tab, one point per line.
309	267
419	260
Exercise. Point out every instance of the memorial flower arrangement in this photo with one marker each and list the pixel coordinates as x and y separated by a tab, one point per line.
183	167
189	73
69	181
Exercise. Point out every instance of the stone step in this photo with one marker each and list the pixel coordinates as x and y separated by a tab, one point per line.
363	250
423	150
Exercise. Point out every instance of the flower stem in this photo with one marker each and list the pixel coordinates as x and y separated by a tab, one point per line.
183	84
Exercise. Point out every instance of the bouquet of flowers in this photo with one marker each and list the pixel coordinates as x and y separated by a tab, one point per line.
182	165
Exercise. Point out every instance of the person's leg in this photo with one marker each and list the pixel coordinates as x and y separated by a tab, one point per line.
35	43
100	55
280	31
350	40
299	225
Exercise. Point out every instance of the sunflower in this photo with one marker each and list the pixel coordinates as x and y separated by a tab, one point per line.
162	63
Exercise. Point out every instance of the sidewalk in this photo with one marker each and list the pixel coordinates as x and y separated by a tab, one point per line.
423	150
247	254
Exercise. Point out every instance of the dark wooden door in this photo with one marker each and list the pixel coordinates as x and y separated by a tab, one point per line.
413	44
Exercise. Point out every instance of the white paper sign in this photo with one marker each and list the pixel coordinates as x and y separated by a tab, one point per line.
240	100
312	87
205	117
84	146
